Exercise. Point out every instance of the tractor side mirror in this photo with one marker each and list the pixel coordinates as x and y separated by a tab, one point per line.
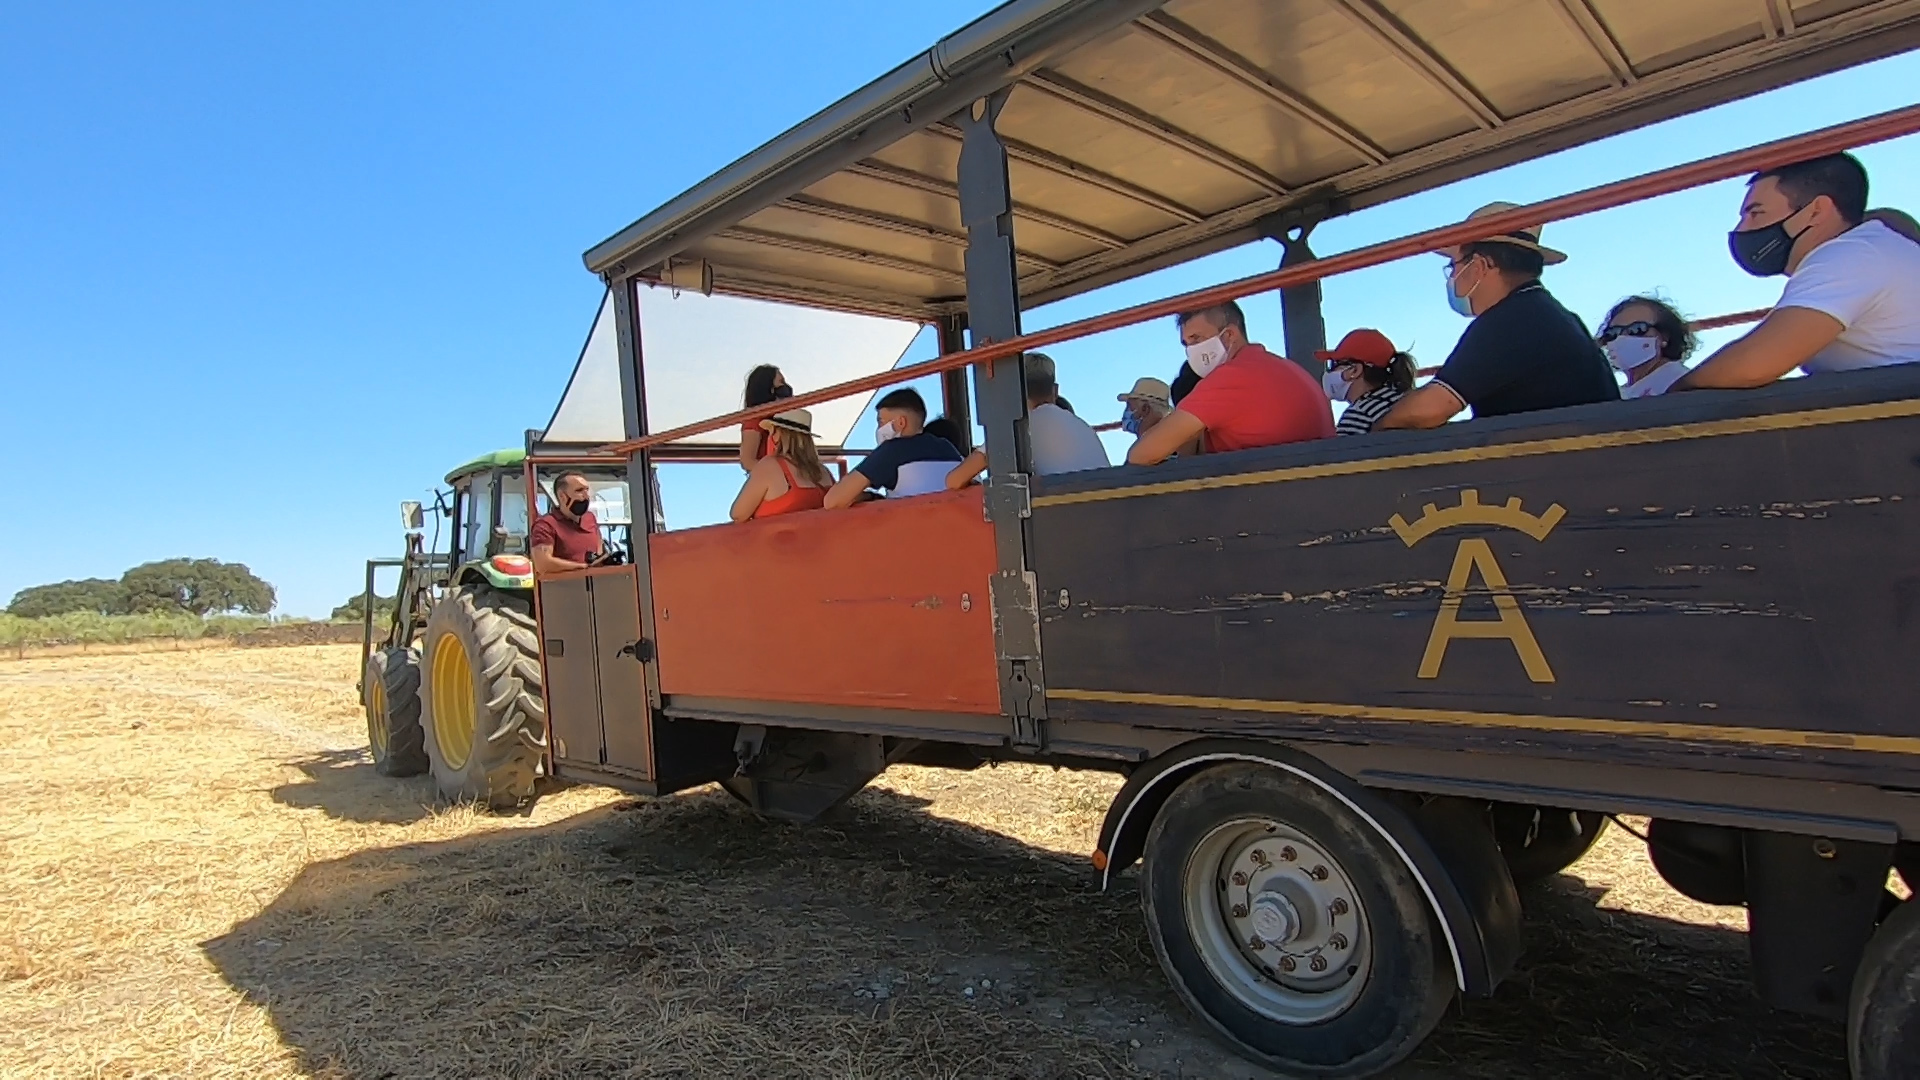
411	517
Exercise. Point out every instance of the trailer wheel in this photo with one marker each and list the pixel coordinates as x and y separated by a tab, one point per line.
391	686
1540	841
486	721
1883	1015
1289	926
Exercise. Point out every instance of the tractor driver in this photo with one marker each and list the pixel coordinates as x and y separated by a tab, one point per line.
567	536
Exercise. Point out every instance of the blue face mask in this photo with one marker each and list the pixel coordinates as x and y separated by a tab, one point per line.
1129	423
1459	303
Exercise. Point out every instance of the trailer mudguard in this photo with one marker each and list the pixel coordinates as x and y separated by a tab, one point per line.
1455	862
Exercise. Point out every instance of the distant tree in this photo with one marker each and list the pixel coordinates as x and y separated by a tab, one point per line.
66	597
354	610
199	586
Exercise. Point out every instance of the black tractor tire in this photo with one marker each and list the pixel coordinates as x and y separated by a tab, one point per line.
1883	1013
390	688
485	716
1540	841
1397	953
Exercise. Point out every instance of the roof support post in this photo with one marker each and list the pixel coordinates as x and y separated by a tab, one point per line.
642	488
993	314
1300	313
953	384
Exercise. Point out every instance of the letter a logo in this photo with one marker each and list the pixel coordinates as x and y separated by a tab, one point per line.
1475	554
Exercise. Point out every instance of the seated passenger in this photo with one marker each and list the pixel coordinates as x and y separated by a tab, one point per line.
1647	341
1524	350
1147	404
765	384
1367	373
944	427
1899	221
907	461
567	536
1246	396
1853	286
1060	441
790	477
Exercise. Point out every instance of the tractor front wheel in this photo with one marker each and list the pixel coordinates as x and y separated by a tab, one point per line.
391	686
486	719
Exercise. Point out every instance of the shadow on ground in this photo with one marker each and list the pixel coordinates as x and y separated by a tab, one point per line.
343	783
685	937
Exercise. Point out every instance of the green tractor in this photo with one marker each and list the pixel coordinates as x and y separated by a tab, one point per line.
454	687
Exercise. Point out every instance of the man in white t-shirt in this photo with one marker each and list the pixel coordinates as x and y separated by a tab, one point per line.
1061	442
1853	287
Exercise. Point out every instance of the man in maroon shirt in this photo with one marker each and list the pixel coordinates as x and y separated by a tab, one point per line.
1246	396
567	536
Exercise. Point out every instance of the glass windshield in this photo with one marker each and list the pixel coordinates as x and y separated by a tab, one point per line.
609	501
477	509
513	513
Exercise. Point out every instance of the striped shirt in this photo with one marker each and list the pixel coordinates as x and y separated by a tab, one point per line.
1360	415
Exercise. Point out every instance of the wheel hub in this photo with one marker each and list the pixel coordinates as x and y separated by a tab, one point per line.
1280	922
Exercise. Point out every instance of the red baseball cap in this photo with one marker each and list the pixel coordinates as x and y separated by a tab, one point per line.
1369	347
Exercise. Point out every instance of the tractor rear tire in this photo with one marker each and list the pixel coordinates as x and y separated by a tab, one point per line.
485	713
391	686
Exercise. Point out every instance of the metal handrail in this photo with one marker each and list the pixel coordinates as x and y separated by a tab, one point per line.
1828	140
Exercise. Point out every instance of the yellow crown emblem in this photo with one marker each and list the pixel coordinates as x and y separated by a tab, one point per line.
1472	511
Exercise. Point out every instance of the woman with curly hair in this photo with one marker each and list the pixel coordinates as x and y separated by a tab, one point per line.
1646	340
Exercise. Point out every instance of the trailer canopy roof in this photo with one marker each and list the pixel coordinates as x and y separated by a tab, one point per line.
1141	135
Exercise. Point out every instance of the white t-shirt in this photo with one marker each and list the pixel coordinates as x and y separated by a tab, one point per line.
1868	280
1658	381
1062	442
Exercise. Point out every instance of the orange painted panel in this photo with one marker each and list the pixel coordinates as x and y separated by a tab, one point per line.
881	606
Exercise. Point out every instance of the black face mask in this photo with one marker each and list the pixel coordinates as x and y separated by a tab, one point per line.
1763	252
578	508
782	392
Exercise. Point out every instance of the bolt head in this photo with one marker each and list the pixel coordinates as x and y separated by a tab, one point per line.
1239	911
1339	906
1257	945
1287	854
1318	963
1287	963
1338	941
1239	877
1318	873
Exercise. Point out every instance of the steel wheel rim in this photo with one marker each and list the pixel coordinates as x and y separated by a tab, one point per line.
1277	921
377	718
453	706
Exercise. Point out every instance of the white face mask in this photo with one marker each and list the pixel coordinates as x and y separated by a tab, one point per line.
1335	385
887	431
1627	352
1206	355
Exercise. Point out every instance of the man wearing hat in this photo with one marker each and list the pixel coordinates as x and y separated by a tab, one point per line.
1524	350
1147	404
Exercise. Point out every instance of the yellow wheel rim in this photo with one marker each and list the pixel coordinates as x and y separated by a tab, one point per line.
453	705
377	717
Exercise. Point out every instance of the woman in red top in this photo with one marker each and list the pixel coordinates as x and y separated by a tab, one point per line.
764	384
790	477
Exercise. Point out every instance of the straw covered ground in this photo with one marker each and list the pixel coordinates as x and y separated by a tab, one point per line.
201	876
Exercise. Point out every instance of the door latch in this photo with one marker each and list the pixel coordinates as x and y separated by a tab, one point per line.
641	650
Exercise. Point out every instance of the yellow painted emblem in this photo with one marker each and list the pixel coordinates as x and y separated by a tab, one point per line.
1475	554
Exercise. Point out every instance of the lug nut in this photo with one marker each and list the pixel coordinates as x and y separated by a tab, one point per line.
1239	877
1318	963
1260	857
1257	945
1339	906
1338	941
1239	911
1287	964
1318	873
1287	854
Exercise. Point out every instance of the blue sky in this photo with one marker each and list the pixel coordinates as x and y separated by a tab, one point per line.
267	270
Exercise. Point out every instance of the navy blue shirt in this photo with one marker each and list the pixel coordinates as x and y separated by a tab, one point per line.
910	464
1527	352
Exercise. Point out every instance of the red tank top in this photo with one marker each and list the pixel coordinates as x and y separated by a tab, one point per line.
796	498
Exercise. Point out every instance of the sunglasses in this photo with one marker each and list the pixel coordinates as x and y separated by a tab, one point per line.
1634	329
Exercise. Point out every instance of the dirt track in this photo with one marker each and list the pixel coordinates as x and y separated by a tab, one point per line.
201	876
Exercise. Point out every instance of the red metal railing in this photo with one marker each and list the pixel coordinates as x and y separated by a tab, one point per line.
1830	140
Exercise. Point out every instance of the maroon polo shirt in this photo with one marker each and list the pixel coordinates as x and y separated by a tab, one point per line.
575	541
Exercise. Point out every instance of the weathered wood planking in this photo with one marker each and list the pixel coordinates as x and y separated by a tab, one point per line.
1721	576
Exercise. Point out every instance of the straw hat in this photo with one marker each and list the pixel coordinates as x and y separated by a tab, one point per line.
799	420
1527	236
1148	390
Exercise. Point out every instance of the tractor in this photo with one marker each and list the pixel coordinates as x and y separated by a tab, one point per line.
454	688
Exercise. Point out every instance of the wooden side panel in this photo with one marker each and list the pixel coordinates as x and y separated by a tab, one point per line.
573	688
1714	576
883	605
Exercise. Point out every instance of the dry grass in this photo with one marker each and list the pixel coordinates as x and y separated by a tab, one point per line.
200	876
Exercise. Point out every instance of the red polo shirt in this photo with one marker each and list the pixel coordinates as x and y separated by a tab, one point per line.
575	541
1259	399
